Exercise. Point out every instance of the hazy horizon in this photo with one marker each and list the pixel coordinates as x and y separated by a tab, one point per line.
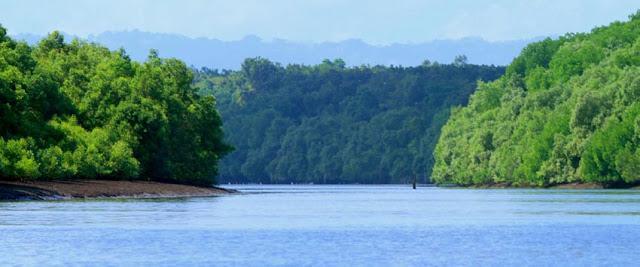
374	22
30	37
218	54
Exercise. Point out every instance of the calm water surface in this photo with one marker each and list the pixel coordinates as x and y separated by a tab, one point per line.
328	226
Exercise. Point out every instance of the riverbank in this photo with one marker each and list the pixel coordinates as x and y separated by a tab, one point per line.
84	189
557	186
575	185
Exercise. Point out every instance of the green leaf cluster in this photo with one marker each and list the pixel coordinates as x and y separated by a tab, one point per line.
565	111
329	123
78	110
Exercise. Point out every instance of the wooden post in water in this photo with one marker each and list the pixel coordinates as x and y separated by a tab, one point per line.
414	182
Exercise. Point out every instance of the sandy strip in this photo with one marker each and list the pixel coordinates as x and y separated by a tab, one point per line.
47	190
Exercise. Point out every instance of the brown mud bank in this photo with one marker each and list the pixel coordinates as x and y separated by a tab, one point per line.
51	190
578	186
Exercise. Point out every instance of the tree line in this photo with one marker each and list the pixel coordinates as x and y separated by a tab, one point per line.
78	110
328	123
567	110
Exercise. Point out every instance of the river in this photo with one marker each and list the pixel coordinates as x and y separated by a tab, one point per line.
324	225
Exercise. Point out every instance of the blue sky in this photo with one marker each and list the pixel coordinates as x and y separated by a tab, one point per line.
374	21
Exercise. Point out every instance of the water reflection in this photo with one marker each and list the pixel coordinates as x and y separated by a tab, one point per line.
329	225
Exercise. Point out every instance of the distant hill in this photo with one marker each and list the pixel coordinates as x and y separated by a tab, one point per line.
217	54
328	123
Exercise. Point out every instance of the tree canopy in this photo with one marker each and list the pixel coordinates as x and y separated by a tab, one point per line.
565	111
328	123
78	110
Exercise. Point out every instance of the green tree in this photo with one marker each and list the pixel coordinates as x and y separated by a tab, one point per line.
330	123
565	111
79	110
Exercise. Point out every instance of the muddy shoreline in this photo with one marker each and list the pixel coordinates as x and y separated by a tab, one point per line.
94	189
557	186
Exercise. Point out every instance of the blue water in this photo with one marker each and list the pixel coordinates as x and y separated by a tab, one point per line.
330	226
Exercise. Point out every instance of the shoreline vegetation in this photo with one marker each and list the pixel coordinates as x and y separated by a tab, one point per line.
566	111
78	120
103	189
78	110
330	123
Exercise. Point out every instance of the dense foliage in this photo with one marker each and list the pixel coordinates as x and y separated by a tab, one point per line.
332	124
78	110
567	110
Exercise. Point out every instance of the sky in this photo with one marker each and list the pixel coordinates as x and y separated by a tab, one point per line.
374	21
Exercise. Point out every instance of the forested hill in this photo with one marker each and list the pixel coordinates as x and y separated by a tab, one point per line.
78	110
329	123
567	110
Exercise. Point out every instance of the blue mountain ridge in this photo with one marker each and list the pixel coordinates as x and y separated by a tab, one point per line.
218	54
